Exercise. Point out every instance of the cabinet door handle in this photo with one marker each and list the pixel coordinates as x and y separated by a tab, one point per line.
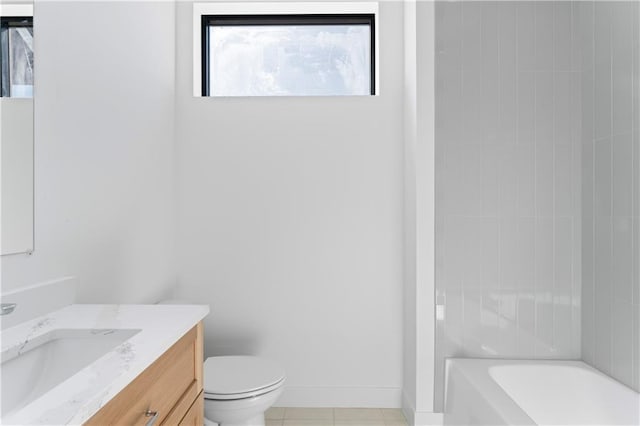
153	415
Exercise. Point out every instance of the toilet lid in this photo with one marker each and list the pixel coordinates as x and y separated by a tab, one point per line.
231	375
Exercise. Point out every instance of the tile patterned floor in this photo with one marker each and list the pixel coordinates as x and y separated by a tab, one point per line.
280	416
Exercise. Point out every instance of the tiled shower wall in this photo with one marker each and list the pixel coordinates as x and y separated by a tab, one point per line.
508	155
610	189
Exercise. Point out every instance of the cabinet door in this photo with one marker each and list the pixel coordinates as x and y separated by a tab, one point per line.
195	415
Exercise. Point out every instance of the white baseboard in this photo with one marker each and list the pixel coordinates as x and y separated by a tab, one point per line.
420	418
302	396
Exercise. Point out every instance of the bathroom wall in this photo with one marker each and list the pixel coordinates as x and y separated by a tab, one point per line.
16	133
104	109
290	226
610	190
419	214
507	181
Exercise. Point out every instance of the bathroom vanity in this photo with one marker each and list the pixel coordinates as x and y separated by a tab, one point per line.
105	364
169	391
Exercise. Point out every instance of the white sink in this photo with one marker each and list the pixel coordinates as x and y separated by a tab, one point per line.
38	365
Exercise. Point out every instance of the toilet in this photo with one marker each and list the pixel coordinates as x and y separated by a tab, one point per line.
238	389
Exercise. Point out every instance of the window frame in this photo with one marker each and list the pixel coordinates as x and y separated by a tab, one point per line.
7	22
281	13
283	20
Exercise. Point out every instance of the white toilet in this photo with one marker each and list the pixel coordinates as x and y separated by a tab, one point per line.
238	389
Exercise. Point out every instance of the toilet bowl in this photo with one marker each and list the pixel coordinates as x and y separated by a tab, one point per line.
239	389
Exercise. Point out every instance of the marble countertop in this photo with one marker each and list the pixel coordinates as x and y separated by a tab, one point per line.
79	397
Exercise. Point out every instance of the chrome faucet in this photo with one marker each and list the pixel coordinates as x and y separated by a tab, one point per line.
7	308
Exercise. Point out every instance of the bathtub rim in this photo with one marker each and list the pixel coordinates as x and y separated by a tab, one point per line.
476	371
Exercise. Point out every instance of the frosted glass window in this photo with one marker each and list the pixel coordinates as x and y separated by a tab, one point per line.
300	57
16	57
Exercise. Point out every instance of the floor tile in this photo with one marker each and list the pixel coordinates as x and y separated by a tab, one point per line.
307	422
309	413
393	414
300	416
395	423
358	414
360	422
274	413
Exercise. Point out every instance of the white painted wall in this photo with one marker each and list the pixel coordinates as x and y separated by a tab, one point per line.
410	215
16	135
290	226
104	109
419	214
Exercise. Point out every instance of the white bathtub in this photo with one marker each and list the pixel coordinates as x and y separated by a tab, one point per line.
523	392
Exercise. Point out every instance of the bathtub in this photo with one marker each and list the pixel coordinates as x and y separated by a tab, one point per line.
523	392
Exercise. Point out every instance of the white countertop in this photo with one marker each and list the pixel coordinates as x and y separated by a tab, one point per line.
78	398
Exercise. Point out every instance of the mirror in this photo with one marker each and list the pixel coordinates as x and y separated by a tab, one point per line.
16	127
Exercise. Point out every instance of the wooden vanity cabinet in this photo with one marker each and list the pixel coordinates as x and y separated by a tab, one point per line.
169	389
194	416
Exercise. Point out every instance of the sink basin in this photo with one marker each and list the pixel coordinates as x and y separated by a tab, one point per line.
38	365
